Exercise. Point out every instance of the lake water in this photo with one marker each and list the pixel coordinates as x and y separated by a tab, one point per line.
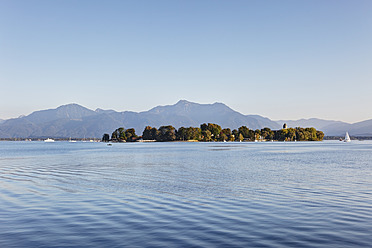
303	194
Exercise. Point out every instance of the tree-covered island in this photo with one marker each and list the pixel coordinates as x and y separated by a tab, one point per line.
213	132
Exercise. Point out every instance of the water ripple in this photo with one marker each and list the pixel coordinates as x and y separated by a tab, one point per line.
185	195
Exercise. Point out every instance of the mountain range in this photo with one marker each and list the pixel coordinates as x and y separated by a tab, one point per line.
73	120
76	121
334	128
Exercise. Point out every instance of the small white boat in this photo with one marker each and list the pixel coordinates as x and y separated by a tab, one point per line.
49	140
347	137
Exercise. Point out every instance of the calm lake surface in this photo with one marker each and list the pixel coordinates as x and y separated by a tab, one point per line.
276	194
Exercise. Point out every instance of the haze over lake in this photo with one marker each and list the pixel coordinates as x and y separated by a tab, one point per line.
269	194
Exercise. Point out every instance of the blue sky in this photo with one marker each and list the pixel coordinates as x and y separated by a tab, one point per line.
280	59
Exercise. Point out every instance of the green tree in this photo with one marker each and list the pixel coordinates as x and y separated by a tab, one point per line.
119	135
194	133
106	137
207	135
257	134
251	135
243	130
291	135
215	130
166	133
182	133
188	133
226	134
281	134
312	133
130	135
300	134
223	137
319	135
267	133
149	133
235	133
114	136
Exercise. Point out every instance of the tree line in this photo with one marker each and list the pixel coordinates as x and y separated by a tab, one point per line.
214	132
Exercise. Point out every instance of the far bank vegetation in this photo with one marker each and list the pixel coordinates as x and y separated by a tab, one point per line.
213	132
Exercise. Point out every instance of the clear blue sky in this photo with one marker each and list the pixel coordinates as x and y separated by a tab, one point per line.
280	59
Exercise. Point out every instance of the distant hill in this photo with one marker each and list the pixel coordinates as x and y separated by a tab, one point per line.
186	113
70	111
333	128
73	120
312	122
76	121
363	128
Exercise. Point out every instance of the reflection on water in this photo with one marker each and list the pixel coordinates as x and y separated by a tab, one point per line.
303	194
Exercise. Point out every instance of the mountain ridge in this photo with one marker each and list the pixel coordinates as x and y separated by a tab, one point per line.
333	128
310	122
74	120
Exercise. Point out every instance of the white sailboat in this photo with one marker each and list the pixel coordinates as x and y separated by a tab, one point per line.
347	137
49	140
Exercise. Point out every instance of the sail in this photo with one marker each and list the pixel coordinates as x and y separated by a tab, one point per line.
347	137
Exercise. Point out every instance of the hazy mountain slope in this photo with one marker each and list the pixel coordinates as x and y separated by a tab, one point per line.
107	111
363	128
59	122
90	126
75	121
312	122
187	114
69	111
18	128
139	121
194	114
333	128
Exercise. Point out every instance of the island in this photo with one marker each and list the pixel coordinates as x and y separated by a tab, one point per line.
213	132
